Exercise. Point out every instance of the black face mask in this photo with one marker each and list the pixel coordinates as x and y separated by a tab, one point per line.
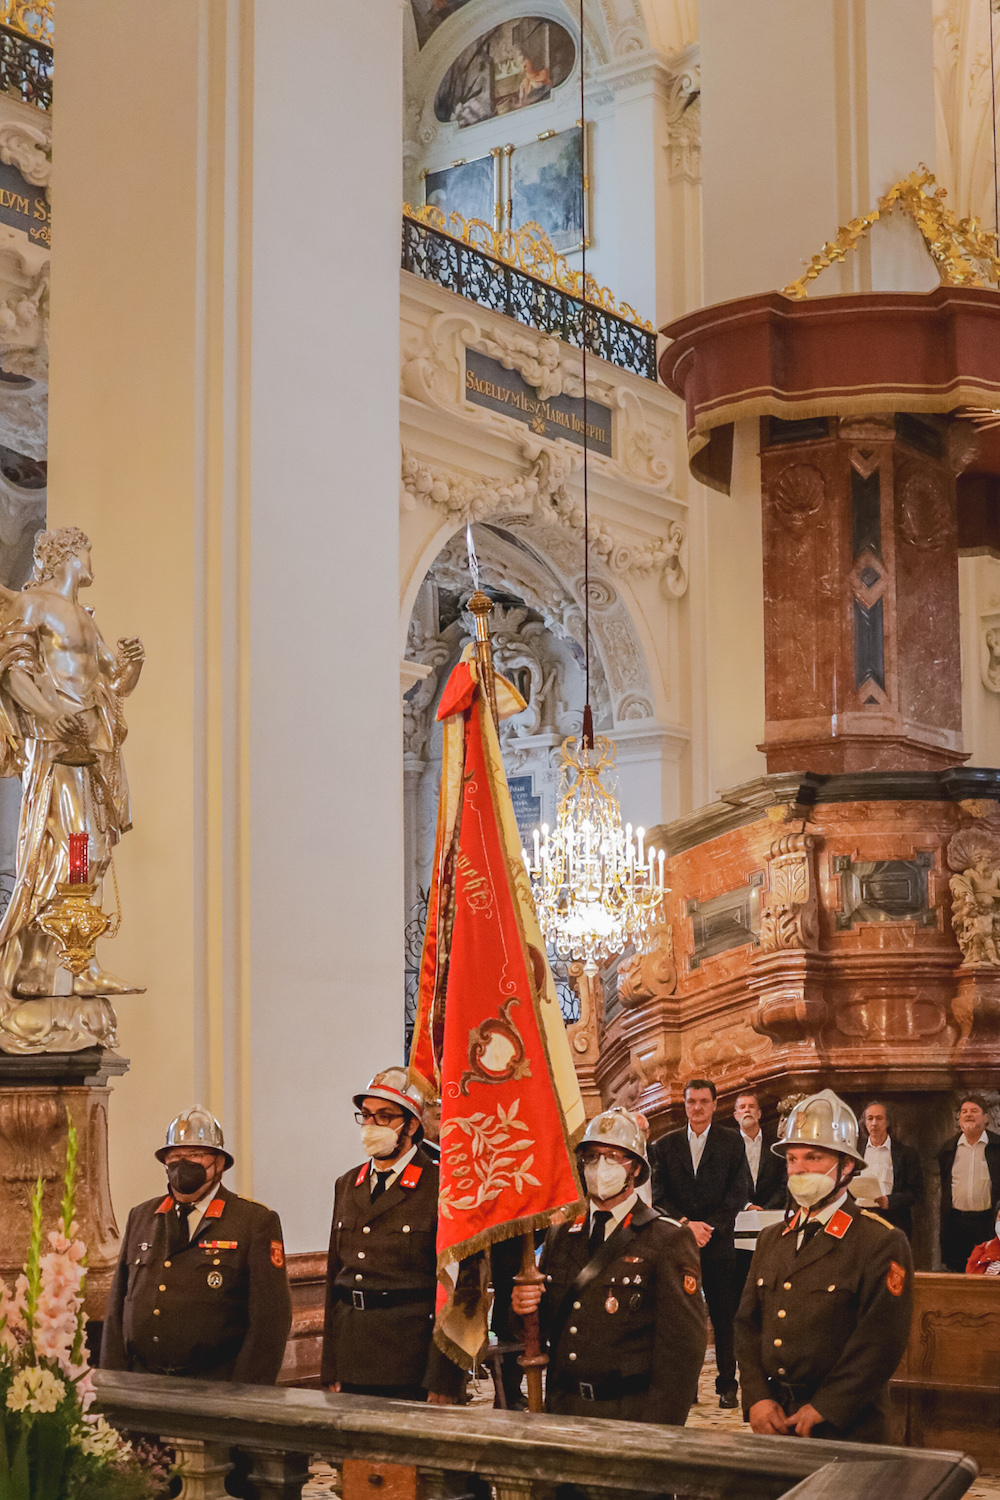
186	1176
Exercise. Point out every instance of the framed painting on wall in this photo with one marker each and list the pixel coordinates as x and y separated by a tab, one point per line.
549	186
469	188
517	64
428	15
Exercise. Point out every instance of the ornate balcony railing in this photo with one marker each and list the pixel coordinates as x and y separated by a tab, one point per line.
279	1428
496	278
26	33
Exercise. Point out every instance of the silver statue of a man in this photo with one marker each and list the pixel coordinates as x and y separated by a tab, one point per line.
61	692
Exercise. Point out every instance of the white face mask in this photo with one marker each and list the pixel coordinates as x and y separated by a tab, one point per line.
808	1188
379	1140
605	1178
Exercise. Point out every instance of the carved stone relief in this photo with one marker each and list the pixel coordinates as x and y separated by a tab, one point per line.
651	975
799	493
790	917
974	855
923	505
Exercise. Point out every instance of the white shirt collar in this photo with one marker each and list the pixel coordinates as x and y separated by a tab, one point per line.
619	1212
399	1166
980	1141
694	1134
198	1210
885	1146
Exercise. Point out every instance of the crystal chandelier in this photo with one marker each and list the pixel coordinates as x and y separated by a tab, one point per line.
593	888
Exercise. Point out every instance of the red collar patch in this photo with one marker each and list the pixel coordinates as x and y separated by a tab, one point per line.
793	1222
839	1224
628	1219
362	1174
411	1176
577	1224
166	1205
214	1209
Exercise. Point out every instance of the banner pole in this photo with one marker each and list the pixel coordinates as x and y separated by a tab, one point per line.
533	1361
480	606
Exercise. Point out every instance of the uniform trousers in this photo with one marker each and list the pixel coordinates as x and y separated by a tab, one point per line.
719	1281
962	1232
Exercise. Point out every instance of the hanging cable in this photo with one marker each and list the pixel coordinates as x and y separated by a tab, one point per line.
588	718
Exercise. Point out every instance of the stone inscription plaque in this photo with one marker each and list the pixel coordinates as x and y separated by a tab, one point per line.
488	384
726	921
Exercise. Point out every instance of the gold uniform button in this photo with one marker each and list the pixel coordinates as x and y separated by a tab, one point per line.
760	1281
406	1228
217	1263
781	1312
832	1288
166	1265
788	1286
361	1255
782	1370
156	1312
572	1330
162	1287
367	1229
572	1355
777	1343
576	1307
359	1277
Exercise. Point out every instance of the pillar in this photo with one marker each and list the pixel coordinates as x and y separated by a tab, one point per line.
224	423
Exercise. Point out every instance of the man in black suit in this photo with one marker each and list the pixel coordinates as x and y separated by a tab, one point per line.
970	1185
701	1177
896	1166
767	1172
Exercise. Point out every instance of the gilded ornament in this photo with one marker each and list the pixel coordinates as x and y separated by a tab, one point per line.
962	250
75	923
527	249
34	18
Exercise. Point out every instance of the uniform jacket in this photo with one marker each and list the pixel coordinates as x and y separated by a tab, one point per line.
831	1320
722	1188
385	1246
946	1160
984	1256
219	1309
643	1314
907	1185
769	1191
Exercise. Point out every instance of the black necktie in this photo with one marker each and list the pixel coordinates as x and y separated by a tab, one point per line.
598	1230
180	1226
809	1232
381	1182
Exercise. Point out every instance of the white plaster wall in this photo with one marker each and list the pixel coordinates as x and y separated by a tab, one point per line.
979	606
225	425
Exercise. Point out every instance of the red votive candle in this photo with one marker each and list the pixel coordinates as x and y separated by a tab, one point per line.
79	865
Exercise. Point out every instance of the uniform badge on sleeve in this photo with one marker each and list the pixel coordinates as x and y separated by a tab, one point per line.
896	1279
690	1284
277	1254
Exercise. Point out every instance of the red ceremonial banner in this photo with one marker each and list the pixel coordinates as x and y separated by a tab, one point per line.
509	1107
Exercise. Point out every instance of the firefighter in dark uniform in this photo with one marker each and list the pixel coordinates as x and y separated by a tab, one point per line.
201	1288
381	1272
622	1310
825	1314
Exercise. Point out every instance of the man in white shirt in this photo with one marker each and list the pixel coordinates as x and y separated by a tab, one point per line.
897	1167
970	1185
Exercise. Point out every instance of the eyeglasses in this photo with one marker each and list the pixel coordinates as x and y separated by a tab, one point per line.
591	1158
380	1117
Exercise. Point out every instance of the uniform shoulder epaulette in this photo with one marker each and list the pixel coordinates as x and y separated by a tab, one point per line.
878	1218
668	1220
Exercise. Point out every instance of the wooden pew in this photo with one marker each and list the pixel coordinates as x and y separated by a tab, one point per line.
946	1392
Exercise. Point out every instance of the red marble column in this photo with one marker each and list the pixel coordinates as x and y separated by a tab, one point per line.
861	626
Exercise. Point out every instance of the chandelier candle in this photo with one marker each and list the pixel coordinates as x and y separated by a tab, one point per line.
79	858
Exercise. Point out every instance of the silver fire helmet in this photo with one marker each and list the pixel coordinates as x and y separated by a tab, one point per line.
822	1120
621	1128
396	1086
195	1127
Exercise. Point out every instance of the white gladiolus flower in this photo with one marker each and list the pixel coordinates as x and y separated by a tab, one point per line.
35	1390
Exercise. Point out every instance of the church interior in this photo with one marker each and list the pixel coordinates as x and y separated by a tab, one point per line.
669	330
